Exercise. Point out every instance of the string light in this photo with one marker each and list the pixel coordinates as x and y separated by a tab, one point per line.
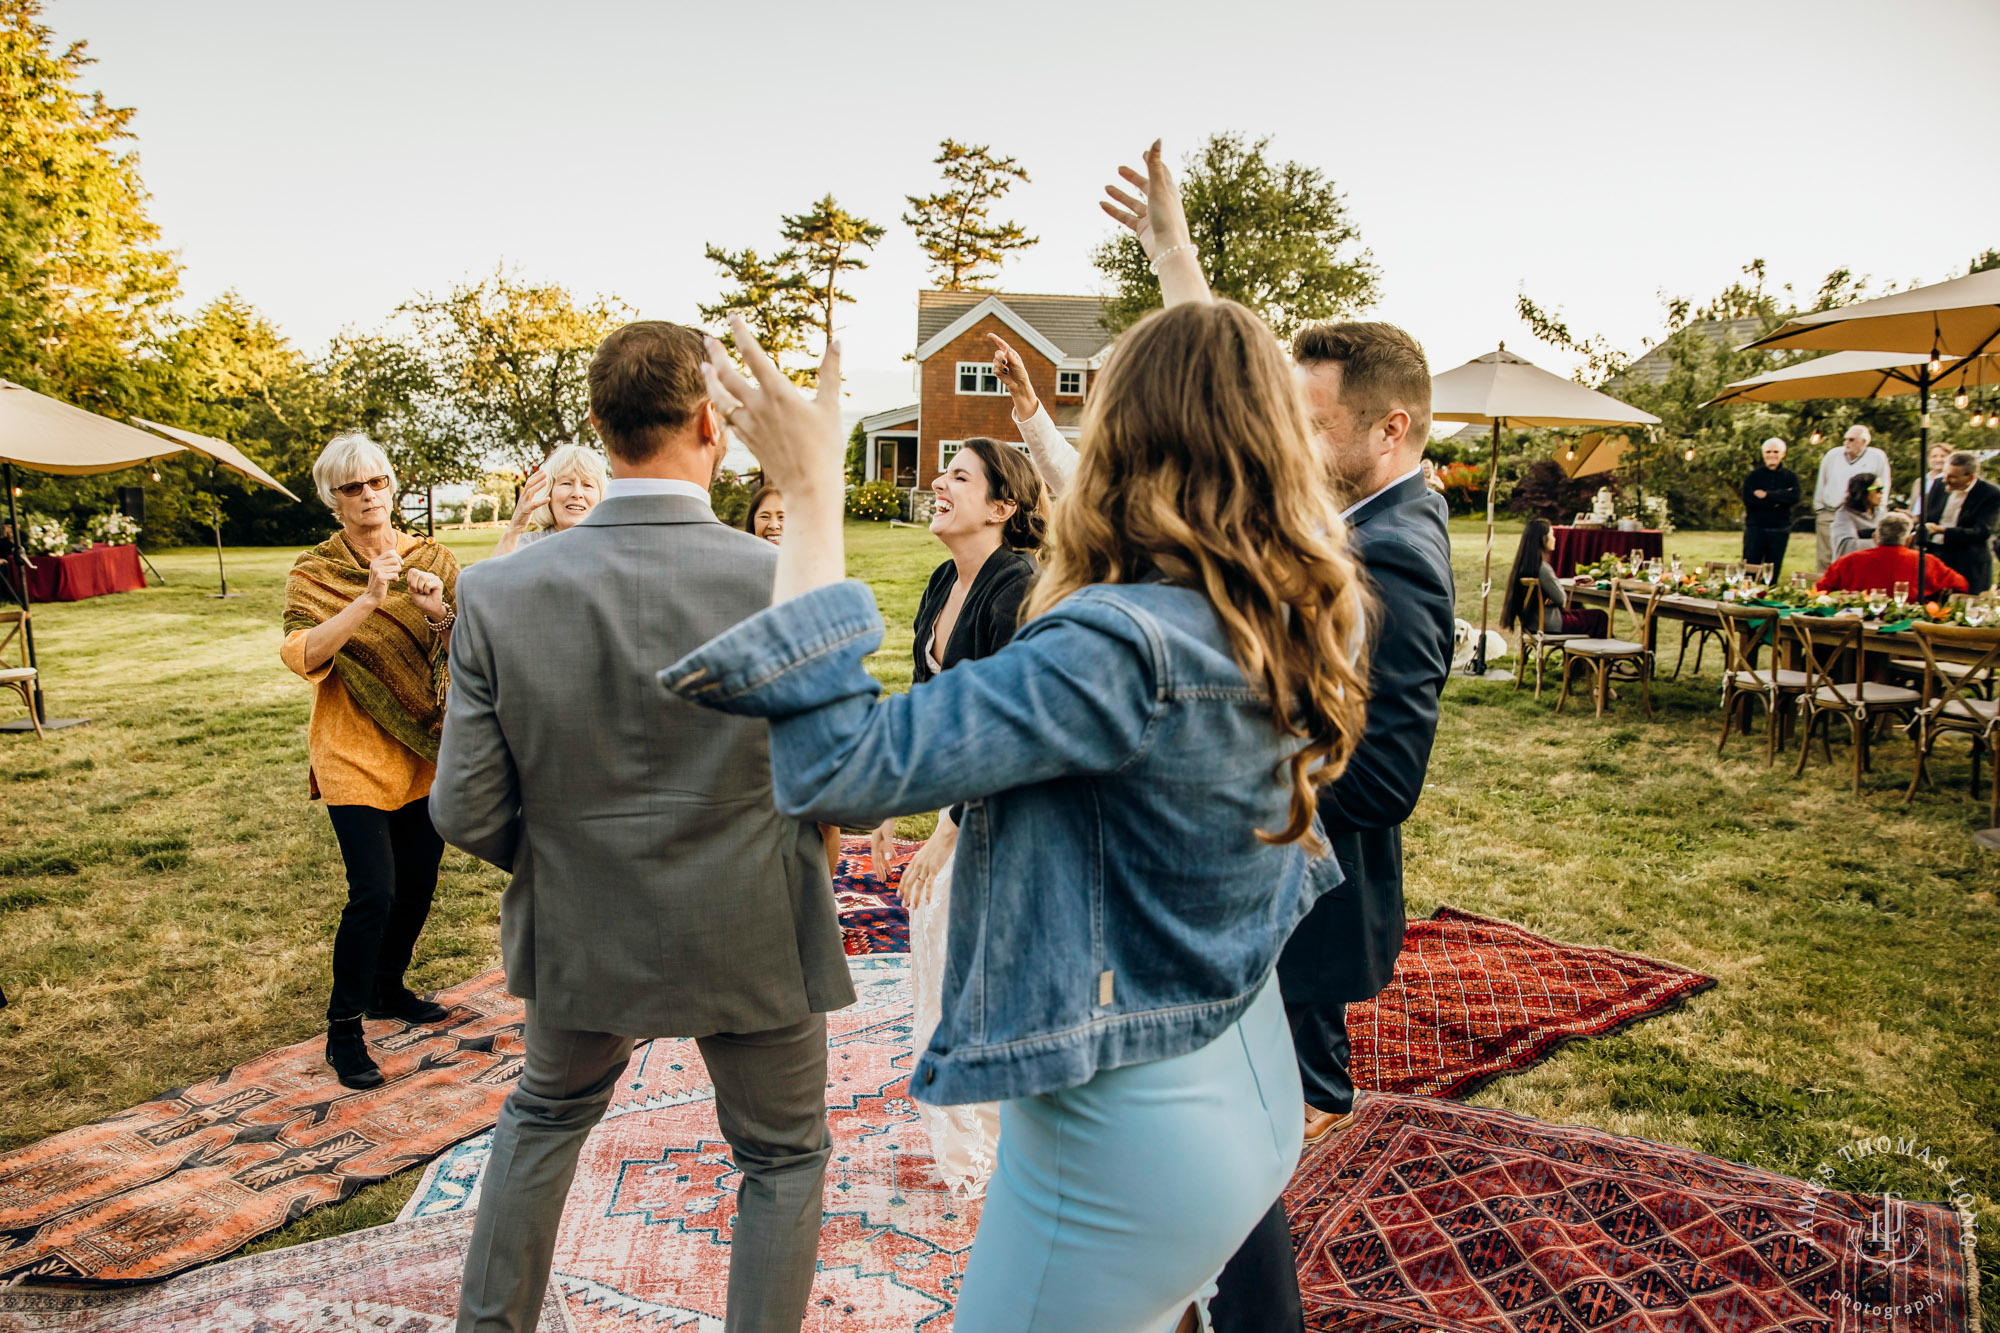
1962	399
1936	364
1976	418
156	475
1689	455
1816	437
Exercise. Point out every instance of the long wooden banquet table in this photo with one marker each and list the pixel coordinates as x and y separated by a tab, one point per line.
1701	611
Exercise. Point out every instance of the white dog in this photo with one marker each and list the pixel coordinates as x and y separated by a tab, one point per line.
1463	638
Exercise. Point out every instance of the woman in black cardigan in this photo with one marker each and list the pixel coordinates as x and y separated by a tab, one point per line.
990	514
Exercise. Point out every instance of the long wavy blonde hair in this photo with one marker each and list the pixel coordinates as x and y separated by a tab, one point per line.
1196	461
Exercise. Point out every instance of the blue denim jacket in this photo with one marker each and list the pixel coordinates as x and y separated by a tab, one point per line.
1111	902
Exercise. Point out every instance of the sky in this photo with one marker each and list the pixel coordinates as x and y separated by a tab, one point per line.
328	161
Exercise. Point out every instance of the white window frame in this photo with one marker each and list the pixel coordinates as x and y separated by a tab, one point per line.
947	448
1075	392
982	371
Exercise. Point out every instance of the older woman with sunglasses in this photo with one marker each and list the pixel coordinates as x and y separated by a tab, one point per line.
368	616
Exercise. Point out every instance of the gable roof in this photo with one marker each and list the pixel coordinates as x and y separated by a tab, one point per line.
1654	366
1062	327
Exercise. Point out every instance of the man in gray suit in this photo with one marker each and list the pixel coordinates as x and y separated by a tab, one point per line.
657	891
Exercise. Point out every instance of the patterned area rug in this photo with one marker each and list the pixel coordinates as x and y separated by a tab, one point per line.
1474	998
402	1278
872	916
1429	1215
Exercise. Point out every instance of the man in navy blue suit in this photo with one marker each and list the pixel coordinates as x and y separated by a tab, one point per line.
1368	389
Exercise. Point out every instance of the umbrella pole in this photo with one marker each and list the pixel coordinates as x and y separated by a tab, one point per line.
215	521
1923	453
1486	579
21	592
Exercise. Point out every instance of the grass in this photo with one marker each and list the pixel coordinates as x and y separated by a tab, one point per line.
168	895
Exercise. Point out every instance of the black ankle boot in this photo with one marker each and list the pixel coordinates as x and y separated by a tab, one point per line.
401	1004
347	1052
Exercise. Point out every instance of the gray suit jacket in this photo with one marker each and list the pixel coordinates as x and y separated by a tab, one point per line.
657	891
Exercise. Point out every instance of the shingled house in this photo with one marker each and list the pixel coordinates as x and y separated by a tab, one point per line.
1061	338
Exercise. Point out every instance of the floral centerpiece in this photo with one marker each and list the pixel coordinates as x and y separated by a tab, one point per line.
44	536
113	529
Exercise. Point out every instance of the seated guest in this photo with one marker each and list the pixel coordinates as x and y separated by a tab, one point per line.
1531	561
1959	518
1888	562
766	515
567	485
1854	525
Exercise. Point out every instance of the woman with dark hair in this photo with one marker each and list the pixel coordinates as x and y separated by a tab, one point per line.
990	514
1531	561
1854	526
766	515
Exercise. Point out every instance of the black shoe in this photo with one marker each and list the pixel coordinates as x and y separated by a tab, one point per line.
407	1007
347	1052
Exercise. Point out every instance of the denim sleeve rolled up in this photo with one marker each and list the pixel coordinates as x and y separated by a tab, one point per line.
1111	901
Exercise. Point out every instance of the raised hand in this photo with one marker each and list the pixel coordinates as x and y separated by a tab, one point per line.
383	571
534	499
1010	371
796	438
1156	218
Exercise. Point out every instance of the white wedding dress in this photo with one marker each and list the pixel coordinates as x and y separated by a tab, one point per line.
965	1138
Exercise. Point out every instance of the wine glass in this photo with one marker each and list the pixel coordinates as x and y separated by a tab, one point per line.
1878	602
1902	593
1674	564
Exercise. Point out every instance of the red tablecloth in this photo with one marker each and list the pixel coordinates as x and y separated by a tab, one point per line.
92	573
1580	546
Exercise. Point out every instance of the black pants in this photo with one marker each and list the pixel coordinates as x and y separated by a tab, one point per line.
392	869
1766	546
1319	1036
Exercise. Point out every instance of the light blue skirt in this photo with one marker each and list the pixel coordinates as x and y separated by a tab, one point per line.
1115	1204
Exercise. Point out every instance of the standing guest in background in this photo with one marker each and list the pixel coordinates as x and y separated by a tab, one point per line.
1854	526
1888	562
656	891
1770	493
1959	516
1940	458
766	515
368	617
1531	561
10	563
567	486
1854	454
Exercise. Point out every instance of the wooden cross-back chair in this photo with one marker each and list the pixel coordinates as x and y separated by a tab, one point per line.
1612	658
1824	642
1917	666
1953	704
1746	630
1536	643
20	679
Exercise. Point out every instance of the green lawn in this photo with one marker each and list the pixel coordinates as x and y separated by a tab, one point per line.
167	894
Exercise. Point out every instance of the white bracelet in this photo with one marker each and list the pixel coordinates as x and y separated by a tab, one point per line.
1172	249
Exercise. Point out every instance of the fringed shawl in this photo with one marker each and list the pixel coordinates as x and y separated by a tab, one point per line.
394	666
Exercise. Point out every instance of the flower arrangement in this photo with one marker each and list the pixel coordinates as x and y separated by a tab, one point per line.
44	536
113	529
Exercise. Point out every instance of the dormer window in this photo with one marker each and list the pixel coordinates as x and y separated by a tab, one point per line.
1069	384
978	377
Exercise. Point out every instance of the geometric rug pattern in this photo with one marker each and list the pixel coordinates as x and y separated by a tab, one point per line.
1430	1215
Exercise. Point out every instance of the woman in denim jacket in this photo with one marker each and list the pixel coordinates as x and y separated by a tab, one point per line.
1137	768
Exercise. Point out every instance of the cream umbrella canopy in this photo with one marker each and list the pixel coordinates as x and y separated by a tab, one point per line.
1501	389
48	435
220	453
1860	375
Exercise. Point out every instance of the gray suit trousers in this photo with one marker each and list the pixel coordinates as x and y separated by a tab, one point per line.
770	1098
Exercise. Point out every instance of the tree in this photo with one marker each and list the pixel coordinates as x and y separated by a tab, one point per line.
827	237
952	225
1275	236
772	297
1984	261
502	369
99	281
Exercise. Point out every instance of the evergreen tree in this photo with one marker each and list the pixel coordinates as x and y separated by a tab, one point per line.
828	240
952	225
772	296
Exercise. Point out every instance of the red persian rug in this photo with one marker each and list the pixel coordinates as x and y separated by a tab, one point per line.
401	1278
1429	1215
872	916
1474	998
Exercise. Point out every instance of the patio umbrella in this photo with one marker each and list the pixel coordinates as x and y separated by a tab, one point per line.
1860	375
1958	318
48	435
220	453
1501	389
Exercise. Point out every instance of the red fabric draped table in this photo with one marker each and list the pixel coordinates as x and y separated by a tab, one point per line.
92	573
1582	546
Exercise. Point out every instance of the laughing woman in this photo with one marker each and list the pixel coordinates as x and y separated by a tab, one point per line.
565	488
368	617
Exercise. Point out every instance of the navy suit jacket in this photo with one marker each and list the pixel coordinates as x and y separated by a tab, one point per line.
1967	546
1345	949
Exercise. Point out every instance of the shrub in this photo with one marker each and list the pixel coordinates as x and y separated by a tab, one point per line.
876	501
1546	491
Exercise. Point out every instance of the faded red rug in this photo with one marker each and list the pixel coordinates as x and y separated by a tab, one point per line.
1474	998
1430	1215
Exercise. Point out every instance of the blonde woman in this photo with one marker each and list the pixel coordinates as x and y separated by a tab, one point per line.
368	615
1138	768
567	486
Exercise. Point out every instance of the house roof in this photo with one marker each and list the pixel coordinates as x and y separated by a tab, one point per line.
1652	368
895	416
1073	325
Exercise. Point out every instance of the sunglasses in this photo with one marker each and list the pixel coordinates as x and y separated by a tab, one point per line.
354	488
